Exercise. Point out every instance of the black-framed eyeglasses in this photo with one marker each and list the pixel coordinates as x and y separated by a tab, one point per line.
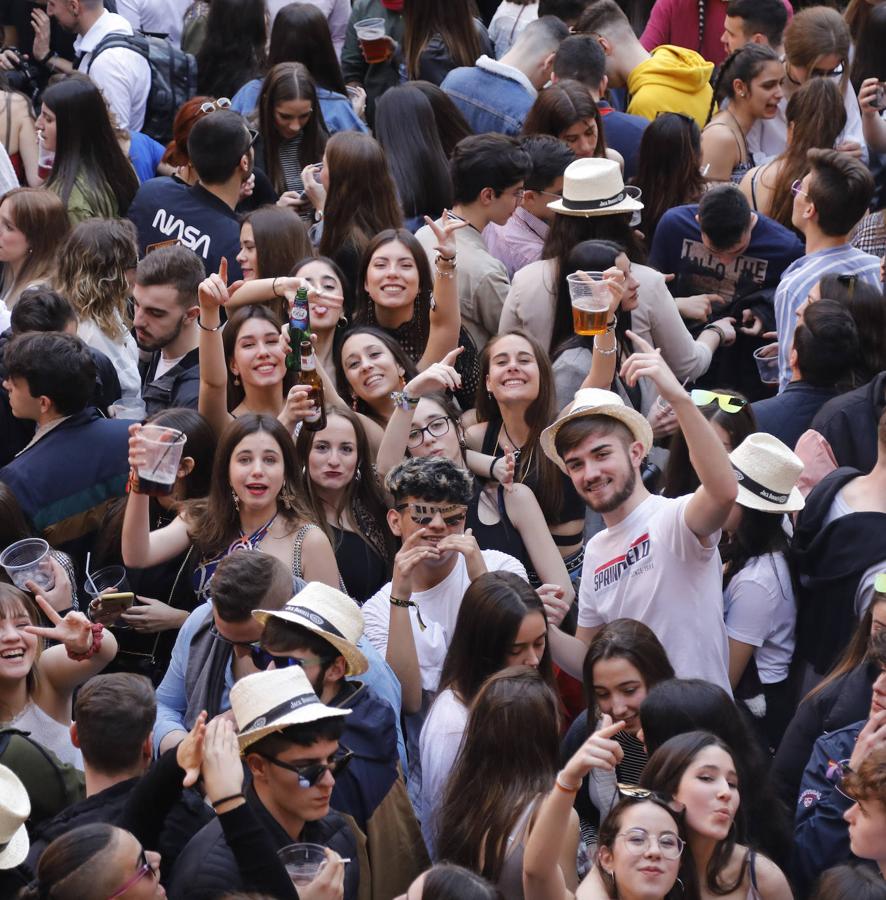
638	841
550	194
143	869
423	514
262	659
310	774
212	105
435	428
246	645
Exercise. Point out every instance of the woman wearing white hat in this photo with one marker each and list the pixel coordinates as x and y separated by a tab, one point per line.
758	598
15	807
596	206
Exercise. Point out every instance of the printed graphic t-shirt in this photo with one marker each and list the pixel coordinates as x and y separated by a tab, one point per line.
651	567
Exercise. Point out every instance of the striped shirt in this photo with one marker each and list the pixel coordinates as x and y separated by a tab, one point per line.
798	280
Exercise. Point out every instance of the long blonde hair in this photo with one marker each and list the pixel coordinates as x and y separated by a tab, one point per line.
92	272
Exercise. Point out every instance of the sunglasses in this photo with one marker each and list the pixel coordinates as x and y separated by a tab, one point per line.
435	428
309	775
836	72
248	645
880	583
212	105
835	773
726	402
632	792
143	869
262	659
423	515
797	189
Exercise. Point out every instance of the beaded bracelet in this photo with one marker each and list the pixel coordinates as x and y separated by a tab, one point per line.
96	628
207	328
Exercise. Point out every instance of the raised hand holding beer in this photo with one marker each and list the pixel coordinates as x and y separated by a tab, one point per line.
595	297
375	45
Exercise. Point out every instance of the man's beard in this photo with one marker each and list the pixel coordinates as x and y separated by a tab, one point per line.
155	345
616	500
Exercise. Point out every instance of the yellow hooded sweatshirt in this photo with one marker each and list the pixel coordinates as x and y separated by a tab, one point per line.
673	79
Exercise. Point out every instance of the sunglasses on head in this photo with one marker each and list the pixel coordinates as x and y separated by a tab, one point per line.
310	774
726	402
248	645
633	792
212	105
880	583
423	514
262	659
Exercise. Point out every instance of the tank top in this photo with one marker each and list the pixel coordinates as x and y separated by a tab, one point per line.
46	731
502	535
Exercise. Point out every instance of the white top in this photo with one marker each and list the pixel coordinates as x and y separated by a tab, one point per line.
438	745
509	20
439	610
43	729
123	76
760	610
155	16
123	353
651	567
336	11
769	137
164	365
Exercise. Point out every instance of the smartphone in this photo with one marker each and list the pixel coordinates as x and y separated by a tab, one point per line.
116	603
880	96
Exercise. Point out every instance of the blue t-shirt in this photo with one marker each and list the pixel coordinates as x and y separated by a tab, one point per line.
145	155
677	248
623	132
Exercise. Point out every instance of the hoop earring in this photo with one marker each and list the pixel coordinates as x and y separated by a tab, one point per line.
342	321
236	500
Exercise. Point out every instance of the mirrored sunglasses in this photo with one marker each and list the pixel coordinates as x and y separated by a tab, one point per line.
726	402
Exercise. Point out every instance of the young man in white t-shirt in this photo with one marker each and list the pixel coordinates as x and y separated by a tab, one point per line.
657	560
411	619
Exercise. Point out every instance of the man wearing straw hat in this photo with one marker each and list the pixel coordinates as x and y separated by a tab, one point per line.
318	630
290	742
657	560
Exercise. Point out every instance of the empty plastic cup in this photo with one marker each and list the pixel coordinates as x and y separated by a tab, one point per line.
766	359
29	560
302	862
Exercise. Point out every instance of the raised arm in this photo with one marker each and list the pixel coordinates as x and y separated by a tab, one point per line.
213	294
602	370
446	311
872	122
711	504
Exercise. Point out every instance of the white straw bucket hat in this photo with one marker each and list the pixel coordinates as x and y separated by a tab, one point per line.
15	807
767	471
271	701
330	614
596	402
594	187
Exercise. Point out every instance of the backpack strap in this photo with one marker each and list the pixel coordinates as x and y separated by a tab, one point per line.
135	42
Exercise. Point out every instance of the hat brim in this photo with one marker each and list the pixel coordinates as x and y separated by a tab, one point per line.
307	715
628	205
630	418
796	501
356	662
16	851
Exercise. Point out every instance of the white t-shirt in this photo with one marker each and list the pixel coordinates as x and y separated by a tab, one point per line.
164	365
439	609
439	744
760	610
651	567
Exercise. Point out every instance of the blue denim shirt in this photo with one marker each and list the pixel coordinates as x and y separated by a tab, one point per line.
338	113
489	101
172	702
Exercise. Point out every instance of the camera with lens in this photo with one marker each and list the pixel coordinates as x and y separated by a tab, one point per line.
26	77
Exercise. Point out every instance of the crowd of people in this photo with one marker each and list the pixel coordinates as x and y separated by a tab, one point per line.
442	450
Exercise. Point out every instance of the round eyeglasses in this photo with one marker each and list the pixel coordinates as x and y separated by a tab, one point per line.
639	840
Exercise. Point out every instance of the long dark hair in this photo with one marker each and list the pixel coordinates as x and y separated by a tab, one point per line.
508	758
361	200
445	881
213	522
363	496
668	167
452	126
407	131
759	533
490	615
744	64
289	81
539	414
663	773
559	106
630	640
453	22
233	51
300	33
86	146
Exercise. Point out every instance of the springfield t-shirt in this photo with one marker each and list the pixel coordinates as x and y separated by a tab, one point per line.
651	567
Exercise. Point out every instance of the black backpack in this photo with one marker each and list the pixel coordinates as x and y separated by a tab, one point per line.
173	78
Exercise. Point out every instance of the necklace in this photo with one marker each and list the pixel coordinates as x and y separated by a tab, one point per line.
514	448
251	541
744	140
523	468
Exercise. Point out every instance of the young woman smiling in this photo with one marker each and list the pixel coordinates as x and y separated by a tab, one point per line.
255	502
751	80
342	486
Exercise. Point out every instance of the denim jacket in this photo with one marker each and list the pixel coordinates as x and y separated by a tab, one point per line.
490	95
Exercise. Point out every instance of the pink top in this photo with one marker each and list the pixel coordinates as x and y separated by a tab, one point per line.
676	22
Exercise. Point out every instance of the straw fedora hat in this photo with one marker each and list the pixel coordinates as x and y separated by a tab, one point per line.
767	471
15	807
596	402
594	187
271	701
329	613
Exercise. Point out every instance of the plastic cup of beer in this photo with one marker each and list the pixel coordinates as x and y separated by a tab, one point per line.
591	299
45	159
29	560
302	862
162	454
766	359
371	34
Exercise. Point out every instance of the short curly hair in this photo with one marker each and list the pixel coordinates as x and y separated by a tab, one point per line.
869	781
430	478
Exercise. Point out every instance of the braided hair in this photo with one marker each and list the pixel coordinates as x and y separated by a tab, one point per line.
745	64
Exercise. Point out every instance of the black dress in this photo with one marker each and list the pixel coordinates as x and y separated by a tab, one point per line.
362	569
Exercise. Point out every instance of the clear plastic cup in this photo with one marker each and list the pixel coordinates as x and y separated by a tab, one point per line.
591	297
163	452
766	359
302	862
45	159
371	34
29	560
